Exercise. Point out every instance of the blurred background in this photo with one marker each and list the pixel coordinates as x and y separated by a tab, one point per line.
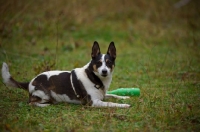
39	30
79	21
52	33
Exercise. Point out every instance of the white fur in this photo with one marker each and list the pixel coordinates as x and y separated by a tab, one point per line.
116	96
63	98
31	88
41	94
52	73
39	105
99	103
6	75
5	72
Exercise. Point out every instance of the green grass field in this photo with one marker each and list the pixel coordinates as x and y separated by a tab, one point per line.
158	51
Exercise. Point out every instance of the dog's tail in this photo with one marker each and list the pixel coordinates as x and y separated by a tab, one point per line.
9	81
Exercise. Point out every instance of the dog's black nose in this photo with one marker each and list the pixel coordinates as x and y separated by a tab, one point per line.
104	71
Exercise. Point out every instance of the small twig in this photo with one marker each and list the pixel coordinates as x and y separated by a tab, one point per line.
56	59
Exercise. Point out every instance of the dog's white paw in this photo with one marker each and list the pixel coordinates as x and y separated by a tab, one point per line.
125	97
126	105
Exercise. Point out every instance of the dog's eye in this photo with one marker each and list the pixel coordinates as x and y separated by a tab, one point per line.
109	62
99	63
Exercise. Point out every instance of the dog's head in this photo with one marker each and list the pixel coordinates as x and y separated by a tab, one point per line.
103	64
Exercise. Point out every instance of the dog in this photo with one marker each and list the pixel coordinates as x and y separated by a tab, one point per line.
86	85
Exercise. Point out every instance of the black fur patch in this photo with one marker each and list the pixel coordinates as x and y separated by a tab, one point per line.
95	61
110	62
93	78
23	85
80	90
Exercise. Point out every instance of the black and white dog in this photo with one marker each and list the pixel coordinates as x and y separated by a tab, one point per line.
86	85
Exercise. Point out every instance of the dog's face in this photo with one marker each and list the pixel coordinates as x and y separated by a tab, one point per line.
103	64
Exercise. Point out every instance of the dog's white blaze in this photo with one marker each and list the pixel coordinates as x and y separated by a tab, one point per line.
103	67
63	98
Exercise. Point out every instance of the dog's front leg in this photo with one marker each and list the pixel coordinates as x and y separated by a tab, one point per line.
116	96
99	103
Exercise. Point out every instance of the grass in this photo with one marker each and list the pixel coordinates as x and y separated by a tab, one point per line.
157	50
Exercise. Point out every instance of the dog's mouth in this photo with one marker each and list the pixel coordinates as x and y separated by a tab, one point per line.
104	75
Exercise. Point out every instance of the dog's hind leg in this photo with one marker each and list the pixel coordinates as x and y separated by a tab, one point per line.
116	96
40	104
37	101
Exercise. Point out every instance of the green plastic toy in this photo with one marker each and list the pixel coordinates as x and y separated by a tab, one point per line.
126	91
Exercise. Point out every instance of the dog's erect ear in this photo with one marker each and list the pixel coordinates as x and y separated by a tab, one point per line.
95	50
112	50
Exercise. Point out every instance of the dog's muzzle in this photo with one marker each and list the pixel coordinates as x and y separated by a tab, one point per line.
104	73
